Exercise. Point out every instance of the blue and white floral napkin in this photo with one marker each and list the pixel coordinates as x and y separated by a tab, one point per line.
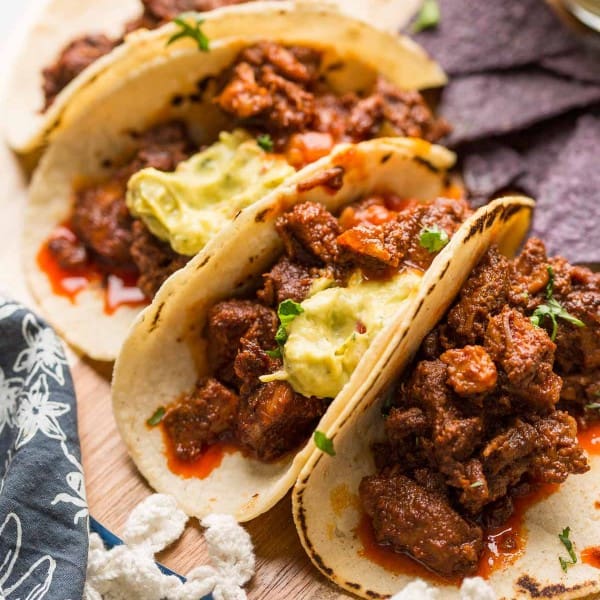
43	509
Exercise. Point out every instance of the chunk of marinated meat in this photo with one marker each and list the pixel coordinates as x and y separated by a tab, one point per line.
377	248
483	294
309	233
269	81
470	370
230	321
577	289
162	147
73	59
410	519
404	112
67	250
199	418
275	420
401	423
558	452
526	354
365	246
287	280
102	222
528	274
155	260
453	437
251	361
510	459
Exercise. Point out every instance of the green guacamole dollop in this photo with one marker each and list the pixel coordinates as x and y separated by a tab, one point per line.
190	205
336	327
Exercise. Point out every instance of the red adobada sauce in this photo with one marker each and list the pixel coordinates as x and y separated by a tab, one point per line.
589	438
119	289
502	545
201	467
591	556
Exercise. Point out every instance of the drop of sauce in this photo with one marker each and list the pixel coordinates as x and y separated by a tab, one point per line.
502	545
202	466
119	288
591	556
589	438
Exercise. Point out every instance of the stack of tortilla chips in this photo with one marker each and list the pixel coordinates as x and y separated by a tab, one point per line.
524	101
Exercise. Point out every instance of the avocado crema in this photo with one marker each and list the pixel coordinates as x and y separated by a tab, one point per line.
335	328
189	206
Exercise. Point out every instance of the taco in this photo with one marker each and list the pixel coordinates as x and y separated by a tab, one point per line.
264	336
160	152
67	44
472	462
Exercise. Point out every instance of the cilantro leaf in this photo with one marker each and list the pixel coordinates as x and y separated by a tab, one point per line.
593	405
192	31
568	544
265	142
275	353
157	417
433	238
429	16
553	309
324	443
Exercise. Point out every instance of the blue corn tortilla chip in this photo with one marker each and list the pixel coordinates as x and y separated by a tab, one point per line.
480	106
479	35
488	168
567	214
540	147
582	64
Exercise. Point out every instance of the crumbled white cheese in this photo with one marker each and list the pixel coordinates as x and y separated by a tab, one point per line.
416	590
476	588
472	588
129	571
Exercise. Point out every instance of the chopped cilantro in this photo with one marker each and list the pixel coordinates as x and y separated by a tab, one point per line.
192	31
265	142
288	310
324	443
553	309
157	417
476	484
433	238
429	16
568	544
275	353
593	406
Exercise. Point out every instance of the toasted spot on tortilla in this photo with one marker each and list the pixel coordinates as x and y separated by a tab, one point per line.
204	262
568	209
479	106
156	318
473	36
260	217
536	590
341	499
